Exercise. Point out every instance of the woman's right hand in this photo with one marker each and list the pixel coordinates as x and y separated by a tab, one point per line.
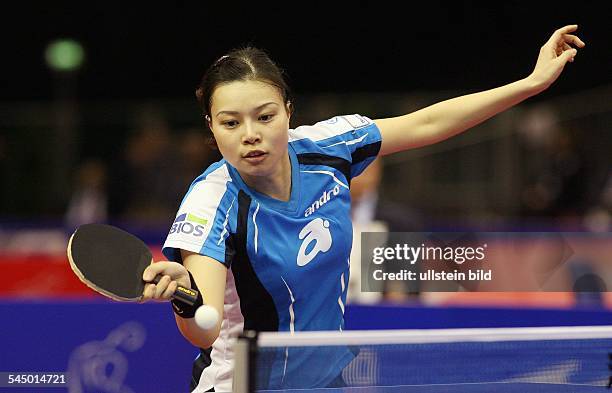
560	48
173	274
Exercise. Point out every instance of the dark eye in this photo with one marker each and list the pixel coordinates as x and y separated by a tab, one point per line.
266	118
230	123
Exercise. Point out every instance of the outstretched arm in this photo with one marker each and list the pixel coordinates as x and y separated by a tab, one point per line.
447	118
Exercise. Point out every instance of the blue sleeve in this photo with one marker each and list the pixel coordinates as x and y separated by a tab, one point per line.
353	138
203	221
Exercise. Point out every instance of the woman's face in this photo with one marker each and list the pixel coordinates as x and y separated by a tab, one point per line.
250	123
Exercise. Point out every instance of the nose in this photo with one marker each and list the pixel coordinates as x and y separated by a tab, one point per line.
251	134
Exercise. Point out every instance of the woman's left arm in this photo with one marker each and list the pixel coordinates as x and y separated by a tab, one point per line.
447	118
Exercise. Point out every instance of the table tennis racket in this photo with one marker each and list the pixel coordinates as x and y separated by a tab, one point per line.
111	262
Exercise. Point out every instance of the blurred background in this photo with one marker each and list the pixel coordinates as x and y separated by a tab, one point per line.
99	123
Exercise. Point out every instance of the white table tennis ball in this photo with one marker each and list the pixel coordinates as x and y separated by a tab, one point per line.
206	317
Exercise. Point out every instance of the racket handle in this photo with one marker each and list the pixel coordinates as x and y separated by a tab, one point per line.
188	296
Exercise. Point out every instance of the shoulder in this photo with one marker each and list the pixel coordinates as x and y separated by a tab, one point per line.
330	128
351	142
340	136
211	189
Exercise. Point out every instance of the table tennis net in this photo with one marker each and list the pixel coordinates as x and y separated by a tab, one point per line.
571	356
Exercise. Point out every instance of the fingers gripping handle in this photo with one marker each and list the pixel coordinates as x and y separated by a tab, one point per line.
188	296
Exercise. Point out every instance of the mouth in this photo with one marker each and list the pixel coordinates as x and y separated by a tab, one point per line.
255	156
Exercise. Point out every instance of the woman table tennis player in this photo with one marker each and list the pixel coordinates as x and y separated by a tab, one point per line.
265	232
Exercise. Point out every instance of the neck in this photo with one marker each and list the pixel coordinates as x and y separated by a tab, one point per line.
276	185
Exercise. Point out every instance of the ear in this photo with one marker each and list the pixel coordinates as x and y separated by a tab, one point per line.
208	121
289	108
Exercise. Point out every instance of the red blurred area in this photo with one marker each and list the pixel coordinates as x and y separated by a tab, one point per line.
39	276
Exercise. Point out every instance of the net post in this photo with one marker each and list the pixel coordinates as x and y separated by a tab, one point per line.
245	352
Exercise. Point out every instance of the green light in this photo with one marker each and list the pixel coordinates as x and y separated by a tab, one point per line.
64	55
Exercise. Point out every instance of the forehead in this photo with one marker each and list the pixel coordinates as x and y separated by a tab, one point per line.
243	96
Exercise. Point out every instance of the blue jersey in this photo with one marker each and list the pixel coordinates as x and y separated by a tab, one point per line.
288	262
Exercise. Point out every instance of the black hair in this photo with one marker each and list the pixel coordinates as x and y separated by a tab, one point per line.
242	64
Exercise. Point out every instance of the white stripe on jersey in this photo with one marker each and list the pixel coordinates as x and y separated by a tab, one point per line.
329	174
326	129
351	142
343	287
256	229
291	327
224	231
211	189
291	314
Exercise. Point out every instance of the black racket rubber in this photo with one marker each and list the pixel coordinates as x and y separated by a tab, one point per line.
111	261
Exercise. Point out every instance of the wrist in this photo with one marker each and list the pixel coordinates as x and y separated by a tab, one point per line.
533	85
185	310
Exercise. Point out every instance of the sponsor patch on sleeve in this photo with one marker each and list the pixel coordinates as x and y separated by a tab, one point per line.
190	225
357	121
